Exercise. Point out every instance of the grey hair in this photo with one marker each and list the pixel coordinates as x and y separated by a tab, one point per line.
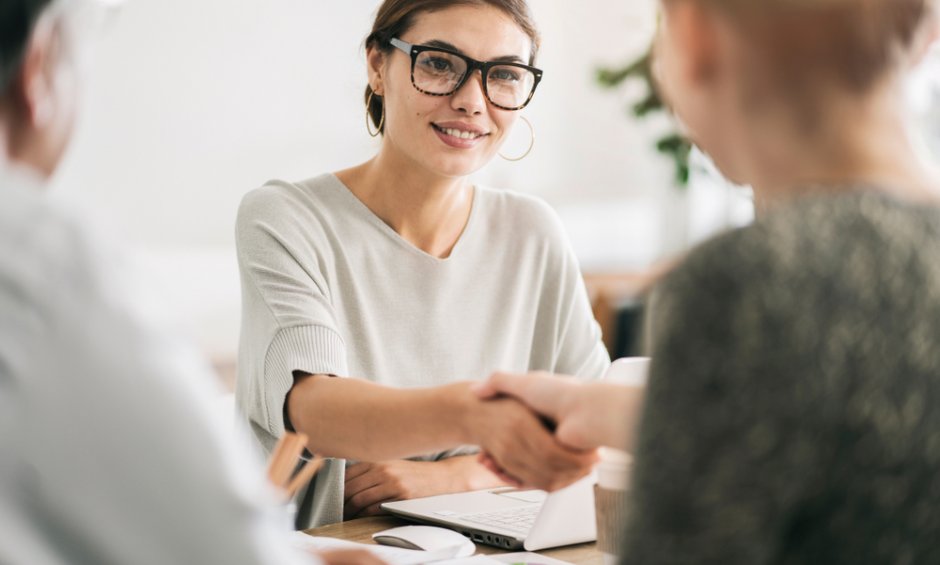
17	20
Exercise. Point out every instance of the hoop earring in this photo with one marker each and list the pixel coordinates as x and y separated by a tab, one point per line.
378	131
531	143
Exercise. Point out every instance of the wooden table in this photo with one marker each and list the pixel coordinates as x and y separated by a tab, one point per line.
361	531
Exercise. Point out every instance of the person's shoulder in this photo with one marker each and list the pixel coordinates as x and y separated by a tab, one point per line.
722	261
42	240
841	237
292	206
58	268
846	235
524	214
512	202
742	262
278	196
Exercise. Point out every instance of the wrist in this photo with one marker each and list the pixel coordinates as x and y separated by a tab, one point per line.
460	406
596	404
466	474
630	404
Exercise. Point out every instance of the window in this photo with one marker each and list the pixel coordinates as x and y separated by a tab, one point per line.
924	98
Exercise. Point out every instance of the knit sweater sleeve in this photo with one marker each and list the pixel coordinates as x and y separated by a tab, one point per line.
288	320
567	318
580	349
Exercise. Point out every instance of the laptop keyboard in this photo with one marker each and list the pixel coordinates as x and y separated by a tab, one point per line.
514	519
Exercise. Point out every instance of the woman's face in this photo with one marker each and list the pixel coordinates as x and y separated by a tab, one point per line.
421	127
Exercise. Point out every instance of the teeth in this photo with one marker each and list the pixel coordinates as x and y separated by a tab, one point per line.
460	134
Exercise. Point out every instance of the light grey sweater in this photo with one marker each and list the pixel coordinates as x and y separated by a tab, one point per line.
328	288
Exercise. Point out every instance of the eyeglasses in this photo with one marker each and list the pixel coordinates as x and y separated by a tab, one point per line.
441	72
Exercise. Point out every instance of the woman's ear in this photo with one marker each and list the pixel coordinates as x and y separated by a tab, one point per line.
375	61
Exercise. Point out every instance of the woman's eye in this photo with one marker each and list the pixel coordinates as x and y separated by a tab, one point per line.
504	75
437	64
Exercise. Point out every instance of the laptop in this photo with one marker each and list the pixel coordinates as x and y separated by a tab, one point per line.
509	518
521	519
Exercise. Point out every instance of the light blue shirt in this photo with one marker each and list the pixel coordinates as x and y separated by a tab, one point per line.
107	453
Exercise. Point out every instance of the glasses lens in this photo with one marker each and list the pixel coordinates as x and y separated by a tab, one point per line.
436	72
509	86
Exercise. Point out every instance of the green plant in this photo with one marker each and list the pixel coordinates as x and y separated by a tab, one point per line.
673	144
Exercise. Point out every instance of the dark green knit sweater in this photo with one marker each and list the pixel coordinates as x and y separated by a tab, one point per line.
793	410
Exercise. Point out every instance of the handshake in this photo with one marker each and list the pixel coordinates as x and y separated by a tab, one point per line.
541	430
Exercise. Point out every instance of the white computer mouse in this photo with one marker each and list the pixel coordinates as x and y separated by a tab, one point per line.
428	538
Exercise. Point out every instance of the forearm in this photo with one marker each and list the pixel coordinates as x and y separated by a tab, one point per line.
618	419
601	414
357	419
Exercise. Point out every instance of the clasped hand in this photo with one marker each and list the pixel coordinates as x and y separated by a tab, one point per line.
535	430
506	431
518	444
586	415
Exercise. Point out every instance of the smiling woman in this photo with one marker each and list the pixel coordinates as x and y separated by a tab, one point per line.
401	273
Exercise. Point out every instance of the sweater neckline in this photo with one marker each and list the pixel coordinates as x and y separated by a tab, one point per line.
372	218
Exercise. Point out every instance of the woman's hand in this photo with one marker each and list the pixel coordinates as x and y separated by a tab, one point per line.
523	446
368	485
587	415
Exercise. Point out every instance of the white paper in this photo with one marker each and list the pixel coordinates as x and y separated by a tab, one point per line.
527	558
391	555
475	560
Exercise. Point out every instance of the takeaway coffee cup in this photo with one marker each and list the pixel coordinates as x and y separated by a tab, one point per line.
610	501
613	470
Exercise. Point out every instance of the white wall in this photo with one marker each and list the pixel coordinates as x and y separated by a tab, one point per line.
924	102
193	103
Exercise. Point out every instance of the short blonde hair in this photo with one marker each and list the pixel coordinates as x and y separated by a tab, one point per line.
811	42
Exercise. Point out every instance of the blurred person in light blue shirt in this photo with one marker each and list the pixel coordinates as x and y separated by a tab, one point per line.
107	453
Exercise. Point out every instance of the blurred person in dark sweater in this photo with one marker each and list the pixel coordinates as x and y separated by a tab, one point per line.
790	413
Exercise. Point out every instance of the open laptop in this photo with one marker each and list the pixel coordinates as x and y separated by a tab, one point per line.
514	519
509	518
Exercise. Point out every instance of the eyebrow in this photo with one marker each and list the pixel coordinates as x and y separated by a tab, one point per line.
451	47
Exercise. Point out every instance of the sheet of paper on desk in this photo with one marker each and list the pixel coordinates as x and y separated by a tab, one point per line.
522	558
391	555
475	560
526	558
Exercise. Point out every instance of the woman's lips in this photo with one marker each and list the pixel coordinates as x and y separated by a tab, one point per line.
459	138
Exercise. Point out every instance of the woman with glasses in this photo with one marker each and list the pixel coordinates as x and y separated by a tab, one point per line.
403	276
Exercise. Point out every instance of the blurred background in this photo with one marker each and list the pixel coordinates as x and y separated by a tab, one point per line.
192	104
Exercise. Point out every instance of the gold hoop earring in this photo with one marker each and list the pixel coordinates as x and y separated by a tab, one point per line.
531	142
369	116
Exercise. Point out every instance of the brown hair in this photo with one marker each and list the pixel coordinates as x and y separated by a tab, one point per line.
807	42
395	17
